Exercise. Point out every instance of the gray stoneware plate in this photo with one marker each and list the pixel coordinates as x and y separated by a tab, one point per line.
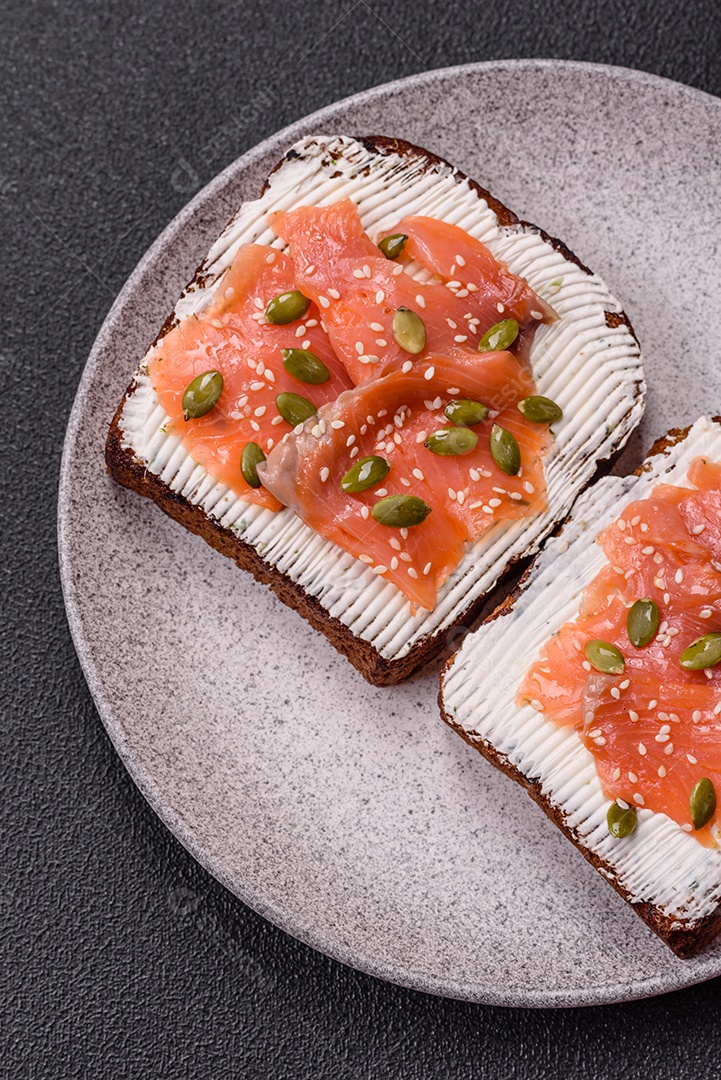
351	816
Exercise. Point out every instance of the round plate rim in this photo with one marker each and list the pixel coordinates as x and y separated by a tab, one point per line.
293	925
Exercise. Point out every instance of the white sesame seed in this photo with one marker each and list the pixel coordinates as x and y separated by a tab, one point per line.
625	684
412	573
334	293
696	715
638	799
669	749
528	487
310	270
277	420
381	342
421	436
337	424
647	550
258	303
536	315
305	344
691	759
380	296
381	492
380	569
622	802
394	544
397	270
300	331
617	776
405	482
596	731
687	828
406	557
460	338
635	520
257	385
404	534
378	327
586	666
679	577
365	513
633	778
698	529
662	738
706	613
621	524
642	749
324	474
429	373
421	300
451	494
260	411
662	771
269	375
666	598
632	715
474	474
500	308
354	452
600	741
358	274
350	440
427	569
366	270
366	559
486	509
418	474
255	427
615	693
453	325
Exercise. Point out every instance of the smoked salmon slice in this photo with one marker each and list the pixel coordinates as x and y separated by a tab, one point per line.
391	418
233	337
358	290
655	729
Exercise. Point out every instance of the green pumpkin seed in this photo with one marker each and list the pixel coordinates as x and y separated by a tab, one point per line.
499	337
305	366
604	657
202	394
400	511
702	802
451	441
621	823
249	461
466	413
505	451
704	652
642	622
540	410
365	474
294	409
392	246
409	330
287	307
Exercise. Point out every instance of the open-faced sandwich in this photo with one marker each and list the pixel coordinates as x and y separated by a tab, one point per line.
379	391
597	685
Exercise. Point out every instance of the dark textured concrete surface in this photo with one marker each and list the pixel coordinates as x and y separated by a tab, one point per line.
122	957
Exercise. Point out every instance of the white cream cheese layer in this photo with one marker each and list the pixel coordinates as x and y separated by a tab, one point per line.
591	370
659	863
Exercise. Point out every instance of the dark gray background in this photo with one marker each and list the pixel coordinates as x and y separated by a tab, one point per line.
122	957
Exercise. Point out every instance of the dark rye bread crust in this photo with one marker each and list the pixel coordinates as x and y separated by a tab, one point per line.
684	940
124	467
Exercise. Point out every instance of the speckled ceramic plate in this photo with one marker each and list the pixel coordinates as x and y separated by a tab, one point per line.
348	815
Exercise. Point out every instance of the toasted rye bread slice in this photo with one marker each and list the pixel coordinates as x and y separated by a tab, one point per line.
589	361
671	881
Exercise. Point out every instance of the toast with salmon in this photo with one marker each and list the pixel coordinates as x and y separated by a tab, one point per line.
405	239
597	684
